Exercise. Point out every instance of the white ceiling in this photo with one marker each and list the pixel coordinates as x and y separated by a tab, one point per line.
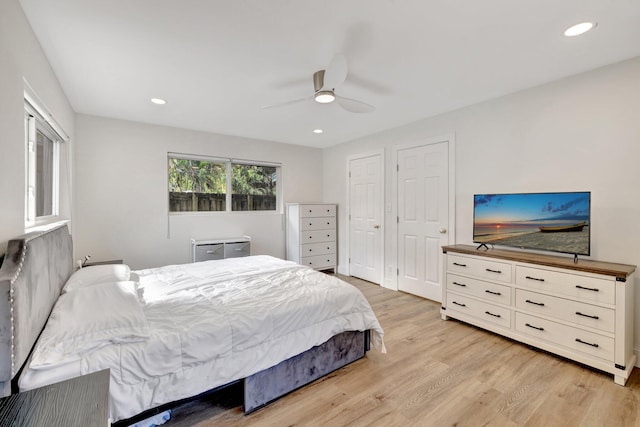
217	62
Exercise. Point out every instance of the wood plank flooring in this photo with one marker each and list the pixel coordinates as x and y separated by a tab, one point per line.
437	373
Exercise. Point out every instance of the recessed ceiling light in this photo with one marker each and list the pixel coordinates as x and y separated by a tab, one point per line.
158	101
318	131
580	28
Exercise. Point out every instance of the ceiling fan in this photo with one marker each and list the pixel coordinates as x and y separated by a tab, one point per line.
325	83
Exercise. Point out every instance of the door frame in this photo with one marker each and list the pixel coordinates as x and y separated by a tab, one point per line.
347	246
450	139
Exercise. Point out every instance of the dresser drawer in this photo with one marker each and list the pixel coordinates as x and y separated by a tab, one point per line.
479	309
570	337
322	223
209	252
317	210
572	285
235	250
319	261
480	268
317	236
318	248
580	313
491	292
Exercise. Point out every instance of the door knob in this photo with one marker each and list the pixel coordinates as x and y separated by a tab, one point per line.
443	230
376	226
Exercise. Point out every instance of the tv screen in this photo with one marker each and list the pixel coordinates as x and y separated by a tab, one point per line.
558	222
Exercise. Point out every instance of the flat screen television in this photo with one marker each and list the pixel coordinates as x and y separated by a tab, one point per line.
557	222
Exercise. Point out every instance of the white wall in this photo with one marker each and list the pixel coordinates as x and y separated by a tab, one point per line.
578	133
121	192
22	57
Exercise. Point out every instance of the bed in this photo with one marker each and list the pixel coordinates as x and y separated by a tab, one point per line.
173	332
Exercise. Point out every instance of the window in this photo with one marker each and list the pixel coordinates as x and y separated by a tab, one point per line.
42	167
205	184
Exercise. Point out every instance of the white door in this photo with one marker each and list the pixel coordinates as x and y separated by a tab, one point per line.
423	214
365	218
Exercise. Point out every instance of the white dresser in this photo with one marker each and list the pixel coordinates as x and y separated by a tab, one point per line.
581	311
311	235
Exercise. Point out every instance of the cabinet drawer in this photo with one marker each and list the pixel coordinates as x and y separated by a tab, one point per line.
580	313
480	268
209	252
326	223
319	261
317	210
491	292
572	285
570	337
317	236
234	250
479	309
318	249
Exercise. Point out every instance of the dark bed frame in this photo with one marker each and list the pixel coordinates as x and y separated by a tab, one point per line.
34	270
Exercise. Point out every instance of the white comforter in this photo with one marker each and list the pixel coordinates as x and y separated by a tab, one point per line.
214	322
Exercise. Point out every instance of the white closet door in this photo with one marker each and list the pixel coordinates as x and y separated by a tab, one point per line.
366	218
422	218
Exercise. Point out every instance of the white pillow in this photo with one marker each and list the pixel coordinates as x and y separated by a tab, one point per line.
89	318
92	275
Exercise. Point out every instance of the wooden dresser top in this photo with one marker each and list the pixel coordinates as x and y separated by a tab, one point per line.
619	271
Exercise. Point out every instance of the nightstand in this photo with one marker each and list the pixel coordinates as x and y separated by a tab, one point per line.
81	401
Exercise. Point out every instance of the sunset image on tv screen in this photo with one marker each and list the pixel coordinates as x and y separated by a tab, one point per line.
547	221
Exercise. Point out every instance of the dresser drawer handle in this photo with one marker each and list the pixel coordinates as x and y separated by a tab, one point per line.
587	315
587	343
461	305
534	278
534	327
491	314
460	284
541	304
588	289
459	265
493	271
492	293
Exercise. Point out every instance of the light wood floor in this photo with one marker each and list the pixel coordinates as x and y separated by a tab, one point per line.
438	373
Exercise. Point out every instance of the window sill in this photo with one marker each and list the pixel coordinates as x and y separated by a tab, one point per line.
45	224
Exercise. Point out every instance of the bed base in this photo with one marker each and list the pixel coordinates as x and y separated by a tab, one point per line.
298	371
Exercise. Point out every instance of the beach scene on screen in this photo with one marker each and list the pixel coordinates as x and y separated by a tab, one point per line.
547	221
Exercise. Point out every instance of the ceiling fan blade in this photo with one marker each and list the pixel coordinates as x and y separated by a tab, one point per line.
287	103
354	106
336	72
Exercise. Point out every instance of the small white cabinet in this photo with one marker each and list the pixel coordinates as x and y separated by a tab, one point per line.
311	235
212	249
581	311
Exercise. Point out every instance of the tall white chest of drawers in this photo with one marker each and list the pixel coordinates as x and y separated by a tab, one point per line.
582	311
311	235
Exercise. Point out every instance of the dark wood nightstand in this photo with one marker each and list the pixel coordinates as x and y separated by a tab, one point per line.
81	401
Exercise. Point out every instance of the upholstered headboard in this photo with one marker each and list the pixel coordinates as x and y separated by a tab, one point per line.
36	266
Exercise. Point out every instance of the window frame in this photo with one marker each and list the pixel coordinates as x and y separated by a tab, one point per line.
34	122
229	162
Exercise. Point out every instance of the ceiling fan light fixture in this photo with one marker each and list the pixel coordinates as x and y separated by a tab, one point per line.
324	96
158	101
